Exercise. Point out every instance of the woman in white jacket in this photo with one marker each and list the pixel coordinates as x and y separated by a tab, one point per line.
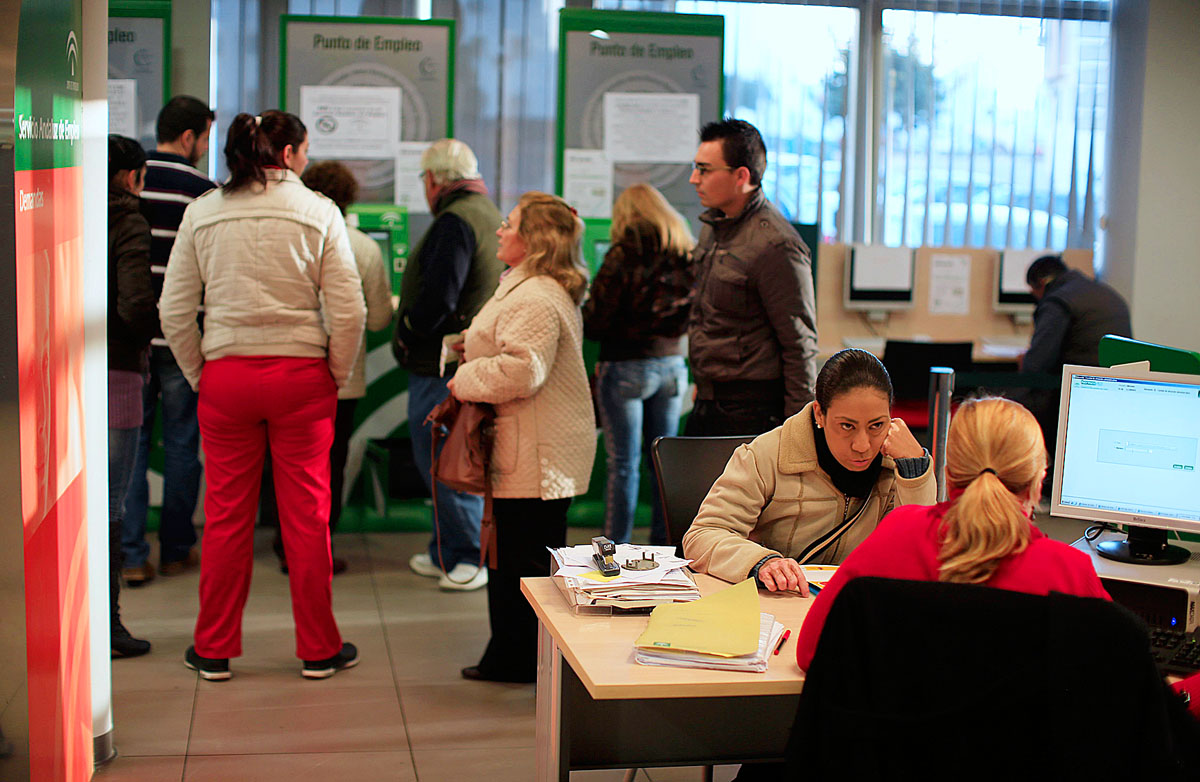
260	254
523	353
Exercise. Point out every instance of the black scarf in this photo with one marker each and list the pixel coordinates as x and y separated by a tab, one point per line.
852	483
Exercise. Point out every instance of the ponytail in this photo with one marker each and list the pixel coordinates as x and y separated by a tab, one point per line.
254	144
995	456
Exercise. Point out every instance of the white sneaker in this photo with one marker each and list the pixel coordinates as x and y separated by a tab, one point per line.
422	565
464	577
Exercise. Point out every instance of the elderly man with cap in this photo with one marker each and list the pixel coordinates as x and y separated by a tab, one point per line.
451	272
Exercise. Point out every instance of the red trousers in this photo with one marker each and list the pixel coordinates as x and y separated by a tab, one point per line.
246	402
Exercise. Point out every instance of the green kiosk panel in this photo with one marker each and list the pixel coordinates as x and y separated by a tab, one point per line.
387	224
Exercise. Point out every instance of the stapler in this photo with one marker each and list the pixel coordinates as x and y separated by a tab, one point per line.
604	551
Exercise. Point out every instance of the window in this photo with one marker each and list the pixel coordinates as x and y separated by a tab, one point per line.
991	130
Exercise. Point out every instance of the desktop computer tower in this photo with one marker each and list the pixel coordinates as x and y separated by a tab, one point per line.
1164	596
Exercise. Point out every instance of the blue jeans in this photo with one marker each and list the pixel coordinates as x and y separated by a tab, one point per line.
122	450
640	400
460	513
181	468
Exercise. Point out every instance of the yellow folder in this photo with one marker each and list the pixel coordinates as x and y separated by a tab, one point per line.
725	624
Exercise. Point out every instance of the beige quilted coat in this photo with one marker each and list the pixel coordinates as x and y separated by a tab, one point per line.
524	355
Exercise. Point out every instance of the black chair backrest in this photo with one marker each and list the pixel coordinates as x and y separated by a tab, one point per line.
901	661
685	469
908	364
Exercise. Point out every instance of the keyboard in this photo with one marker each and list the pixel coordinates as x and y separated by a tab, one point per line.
1175	651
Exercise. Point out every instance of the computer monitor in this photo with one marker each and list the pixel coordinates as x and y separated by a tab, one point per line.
1128	452
878	279
1010	291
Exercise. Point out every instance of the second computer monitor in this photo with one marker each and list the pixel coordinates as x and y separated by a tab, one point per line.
1010	291
878	279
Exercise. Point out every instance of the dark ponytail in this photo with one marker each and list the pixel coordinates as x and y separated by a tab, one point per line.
257	143
124	154
847	370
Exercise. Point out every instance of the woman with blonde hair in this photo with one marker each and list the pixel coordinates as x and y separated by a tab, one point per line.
523	353
638	310
984	533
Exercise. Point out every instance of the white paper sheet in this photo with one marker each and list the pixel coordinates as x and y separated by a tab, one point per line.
588	182
651	127
949	284
122	107
879	268
351	122
410	190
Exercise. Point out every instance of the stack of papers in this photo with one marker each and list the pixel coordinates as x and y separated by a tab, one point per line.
723	631
584	586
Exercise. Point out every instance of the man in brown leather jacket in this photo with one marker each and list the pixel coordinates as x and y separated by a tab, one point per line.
752	337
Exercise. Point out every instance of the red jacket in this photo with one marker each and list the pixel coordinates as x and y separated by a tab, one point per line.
905	545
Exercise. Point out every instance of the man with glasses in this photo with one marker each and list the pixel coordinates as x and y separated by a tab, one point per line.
752	337
452	271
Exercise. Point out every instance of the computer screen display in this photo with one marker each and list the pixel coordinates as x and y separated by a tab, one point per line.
878	278
1010	293
1128	449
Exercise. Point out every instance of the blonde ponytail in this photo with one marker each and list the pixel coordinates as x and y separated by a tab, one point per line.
994	455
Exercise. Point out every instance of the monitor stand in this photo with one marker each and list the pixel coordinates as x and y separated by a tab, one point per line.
1143	546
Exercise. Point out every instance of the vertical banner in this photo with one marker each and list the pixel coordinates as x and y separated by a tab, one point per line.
407	61
634	89
50	354
139	66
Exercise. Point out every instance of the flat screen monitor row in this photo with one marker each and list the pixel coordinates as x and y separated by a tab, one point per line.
878	279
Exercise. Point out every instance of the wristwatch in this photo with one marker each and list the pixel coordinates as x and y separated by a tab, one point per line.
754	570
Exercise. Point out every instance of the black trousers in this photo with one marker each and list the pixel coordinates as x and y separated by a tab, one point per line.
524	528
727	417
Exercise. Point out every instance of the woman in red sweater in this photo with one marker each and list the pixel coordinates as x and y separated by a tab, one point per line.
984	534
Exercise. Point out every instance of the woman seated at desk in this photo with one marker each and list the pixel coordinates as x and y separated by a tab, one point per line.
814	488
984	534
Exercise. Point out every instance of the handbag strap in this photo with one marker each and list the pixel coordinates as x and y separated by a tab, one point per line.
833	535
487	526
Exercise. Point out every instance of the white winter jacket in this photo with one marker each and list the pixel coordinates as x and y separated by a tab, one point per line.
260	260
524	355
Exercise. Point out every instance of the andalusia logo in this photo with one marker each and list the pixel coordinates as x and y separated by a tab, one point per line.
72	52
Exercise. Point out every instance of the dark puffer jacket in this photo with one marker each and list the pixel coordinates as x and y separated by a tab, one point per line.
132	315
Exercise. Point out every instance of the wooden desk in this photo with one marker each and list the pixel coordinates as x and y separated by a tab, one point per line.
597	708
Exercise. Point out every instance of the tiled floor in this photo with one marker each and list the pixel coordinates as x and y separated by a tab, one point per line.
403	714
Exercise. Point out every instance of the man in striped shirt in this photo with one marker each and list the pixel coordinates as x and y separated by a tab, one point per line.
172	182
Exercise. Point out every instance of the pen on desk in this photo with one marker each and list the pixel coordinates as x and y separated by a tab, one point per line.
779	645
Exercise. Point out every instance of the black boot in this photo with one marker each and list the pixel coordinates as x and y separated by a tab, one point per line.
124	644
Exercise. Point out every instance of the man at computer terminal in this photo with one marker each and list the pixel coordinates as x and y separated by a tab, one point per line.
1073	313
752	337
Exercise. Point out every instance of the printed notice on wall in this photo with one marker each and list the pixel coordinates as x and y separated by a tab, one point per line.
648	127
588	182
122	107
410	184
949	284
351	122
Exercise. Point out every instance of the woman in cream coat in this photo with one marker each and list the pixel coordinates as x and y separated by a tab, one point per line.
812	489
523	354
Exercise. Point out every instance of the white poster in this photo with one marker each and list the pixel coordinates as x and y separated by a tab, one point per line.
122	107
410	185
588	182
949	284
351	122
651	127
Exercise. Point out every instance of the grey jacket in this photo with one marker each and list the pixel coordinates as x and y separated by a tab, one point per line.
754	317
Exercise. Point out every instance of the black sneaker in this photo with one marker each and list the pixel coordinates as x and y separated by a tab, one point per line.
214	669
124	644
323	669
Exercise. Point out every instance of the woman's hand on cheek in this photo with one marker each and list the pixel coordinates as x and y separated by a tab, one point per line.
783	574
900	443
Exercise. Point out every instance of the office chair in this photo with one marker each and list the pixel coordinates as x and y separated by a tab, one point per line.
908	364
927	680
685	468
